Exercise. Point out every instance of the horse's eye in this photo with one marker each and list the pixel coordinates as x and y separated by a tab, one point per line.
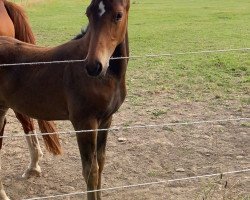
118	16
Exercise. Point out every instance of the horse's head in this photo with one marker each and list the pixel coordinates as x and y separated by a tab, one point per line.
108	20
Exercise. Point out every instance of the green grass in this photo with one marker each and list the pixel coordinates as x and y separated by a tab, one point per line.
162	26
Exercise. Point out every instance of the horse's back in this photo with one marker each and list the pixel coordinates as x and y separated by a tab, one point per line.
5	46
8	49
16	51
6	40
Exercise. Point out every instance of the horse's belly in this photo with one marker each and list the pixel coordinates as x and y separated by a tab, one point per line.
40	109
38	98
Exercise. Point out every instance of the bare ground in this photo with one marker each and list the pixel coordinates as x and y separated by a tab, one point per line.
146	155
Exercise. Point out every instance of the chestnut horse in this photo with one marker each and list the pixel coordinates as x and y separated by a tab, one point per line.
14	23
87	93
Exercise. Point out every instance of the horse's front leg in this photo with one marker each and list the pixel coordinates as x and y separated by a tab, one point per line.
87	143
33	144
101	152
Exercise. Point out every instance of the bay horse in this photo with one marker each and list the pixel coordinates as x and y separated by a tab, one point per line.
14	23
87	93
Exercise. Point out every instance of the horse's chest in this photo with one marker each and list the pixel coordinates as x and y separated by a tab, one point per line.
113	100
109	101
95	97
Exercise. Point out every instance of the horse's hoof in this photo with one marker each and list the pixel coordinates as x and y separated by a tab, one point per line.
32	173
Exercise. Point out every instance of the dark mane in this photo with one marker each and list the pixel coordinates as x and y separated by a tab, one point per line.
80	35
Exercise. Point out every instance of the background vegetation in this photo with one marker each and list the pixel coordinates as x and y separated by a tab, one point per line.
168	27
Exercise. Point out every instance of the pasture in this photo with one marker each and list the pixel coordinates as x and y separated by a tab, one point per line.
177	88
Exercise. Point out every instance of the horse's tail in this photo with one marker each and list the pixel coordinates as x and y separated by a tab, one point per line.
51	141
23	30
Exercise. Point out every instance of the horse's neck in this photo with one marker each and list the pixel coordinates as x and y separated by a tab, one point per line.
83	45
2	7
73	49
6	24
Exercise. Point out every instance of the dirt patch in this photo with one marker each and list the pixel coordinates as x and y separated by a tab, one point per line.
146	155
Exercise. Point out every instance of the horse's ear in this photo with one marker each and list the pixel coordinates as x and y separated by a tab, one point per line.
93	2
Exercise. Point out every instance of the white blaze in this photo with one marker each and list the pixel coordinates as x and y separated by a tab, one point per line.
101	8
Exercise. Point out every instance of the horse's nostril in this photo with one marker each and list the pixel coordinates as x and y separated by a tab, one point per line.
98	68
94	70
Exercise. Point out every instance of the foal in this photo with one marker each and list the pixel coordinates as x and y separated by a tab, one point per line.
87	93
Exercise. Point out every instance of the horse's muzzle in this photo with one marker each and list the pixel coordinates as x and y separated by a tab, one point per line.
94	69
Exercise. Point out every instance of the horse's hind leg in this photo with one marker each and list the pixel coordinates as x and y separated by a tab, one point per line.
33	145
3	111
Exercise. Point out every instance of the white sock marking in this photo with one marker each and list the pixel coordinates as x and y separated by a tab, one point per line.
35	154
101	8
